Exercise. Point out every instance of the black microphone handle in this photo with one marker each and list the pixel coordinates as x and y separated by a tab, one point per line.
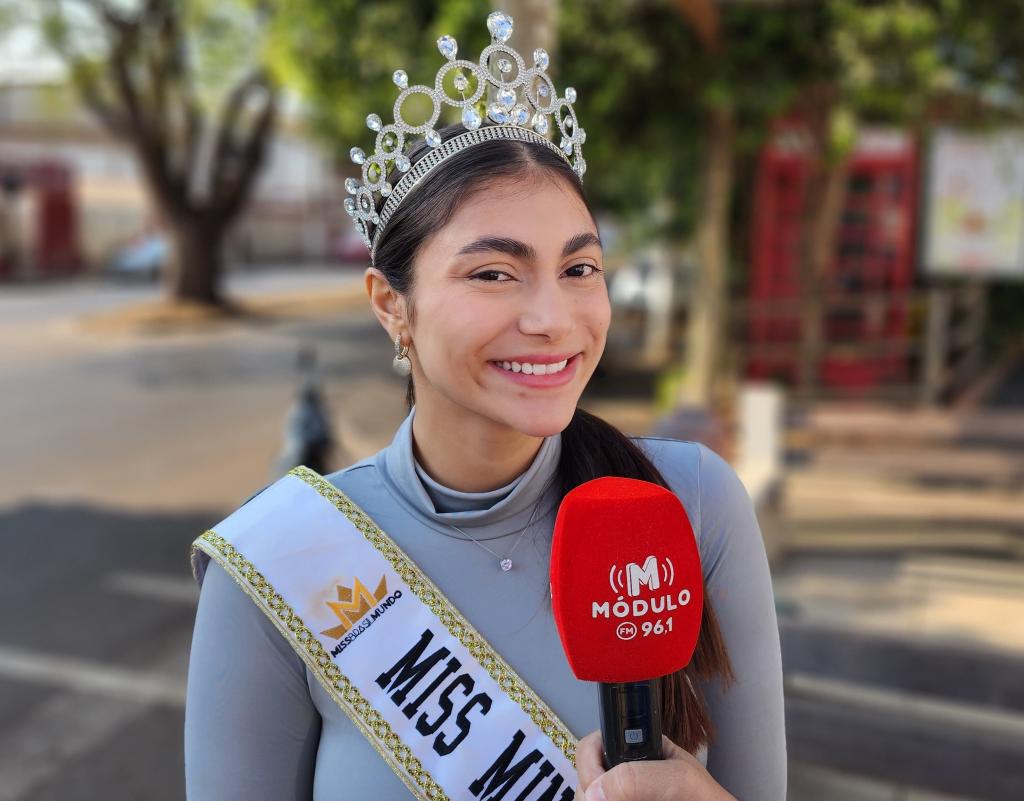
630	721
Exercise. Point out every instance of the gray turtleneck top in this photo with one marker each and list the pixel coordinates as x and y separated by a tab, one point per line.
259	727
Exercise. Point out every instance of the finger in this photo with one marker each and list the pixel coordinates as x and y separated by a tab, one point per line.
648	780
589	759
618	784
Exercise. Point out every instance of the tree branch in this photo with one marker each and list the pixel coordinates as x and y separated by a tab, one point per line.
231	195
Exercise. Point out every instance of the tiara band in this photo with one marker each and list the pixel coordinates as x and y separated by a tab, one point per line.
509	115
435	156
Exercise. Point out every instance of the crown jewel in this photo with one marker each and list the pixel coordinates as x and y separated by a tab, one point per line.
521	104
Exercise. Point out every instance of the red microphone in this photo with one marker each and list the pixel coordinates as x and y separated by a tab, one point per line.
627	595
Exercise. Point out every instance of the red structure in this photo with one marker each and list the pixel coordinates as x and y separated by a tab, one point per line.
51	246
865	336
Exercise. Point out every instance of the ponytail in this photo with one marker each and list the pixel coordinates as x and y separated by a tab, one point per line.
592	448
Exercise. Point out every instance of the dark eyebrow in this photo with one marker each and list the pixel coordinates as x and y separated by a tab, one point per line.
521	250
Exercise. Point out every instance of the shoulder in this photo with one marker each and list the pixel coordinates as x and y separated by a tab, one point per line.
709	488
360	474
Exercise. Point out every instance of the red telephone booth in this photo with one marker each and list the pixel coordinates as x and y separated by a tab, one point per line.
51	247
864	335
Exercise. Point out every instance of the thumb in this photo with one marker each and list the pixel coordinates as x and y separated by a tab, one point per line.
655	780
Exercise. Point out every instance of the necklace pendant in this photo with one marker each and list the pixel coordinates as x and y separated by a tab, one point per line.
506	565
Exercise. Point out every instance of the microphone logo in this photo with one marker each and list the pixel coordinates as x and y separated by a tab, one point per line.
651	575
652	579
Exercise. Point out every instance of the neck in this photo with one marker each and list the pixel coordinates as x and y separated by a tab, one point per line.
470	454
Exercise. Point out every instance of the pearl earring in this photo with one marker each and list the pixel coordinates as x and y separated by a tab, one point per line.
401	361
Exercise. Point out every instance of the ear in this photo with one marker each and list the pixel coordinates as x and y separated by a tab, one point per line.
387	305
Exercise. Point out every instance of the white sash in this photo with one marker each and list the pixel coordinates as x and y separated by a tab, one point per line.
445	711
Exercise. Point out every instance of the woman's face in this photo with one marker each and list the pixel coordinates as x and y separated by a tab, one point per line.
514	280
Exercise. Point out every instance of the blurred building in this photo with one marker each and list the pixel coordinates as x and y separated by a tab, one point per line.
71	194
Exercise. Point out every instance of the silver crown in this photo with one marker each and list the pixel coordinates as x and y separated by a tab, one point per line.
518	108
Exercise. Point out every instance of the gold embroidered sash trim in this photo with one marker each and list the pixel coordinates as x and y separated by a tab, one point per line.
369	721
460	628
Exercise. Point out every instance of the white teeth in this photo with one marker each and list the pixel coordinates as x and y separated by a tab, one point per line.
534	369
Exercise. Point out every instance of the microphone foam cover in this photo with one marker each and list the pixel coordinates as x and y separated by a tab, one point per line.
626	581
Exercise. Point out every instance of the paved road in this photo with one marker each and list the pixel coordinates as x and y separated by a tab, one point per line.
117	452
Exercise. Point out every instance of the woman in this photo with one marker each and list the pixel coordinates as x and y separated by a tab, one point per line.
486	276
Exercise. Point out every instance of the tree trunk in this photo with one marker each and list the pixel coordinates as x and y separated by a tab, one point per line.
197	259
707	307
826	198
536	25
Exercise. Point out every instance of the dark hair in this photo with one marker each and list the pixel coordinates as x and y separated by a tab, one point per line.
591	448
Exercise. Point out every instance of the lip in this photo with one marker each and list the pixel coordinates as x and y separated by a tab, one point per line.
542	381
539	358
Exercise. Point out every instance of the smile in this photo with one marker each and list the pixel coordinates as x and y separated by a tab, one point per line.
539	374
534	369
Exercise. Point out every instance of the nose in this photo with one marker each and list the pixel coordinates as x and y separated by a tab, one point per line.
548	311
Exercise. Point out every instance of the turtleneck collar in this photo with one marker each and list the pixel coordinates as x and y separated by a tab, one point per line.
490	514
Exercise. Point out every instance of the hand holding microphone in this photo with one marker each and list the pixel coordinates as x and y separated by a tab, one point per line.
677	776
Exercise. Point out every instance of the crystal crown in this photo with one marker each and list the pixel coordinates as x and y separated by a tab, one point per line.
521	104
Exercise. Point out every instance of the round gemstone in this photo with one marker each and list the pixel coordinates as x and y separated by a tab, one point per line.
567	146
570	94
351	185
357	155
500	25
540	123
581	165
543	90
401	79
520	114
385	189
350	206
389	142
506	98
373	122
506	565
568	122
471	118
540	58
448	46
504	66
402	163
375	218
433	138
461	82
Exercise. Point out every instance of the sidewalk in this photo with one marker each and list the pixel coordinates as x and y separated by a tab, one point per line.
901	596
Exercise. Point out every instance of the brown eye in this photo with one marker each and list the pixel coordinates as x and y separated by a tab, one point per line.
593	270
490	276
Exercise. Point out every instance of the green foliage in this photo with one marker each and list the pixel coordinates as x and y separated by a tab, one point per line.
887	57
223	41
340	54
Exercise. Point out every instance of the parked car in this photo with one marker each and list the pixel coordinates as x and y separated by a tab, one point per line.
648	297
145	257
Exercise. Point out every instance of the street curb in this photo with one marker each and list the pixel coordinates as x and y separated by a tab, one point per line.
163	317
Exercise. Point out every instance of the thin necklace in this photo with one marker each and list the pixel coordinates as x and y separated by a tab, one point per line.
506	563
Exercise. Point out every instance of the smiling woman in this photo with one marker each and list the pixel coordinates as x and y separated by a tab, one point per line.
510	273
488	277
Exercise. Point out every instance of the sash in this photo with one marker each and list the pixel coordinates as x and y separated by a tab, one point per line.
432	696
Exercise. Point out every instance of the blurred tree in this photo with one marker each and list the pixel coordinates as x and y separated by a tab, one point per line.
151	72
879	62
339	55
683	92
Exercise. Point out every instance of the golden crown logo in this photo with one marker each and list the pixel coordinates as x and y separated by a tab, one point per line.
354	602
